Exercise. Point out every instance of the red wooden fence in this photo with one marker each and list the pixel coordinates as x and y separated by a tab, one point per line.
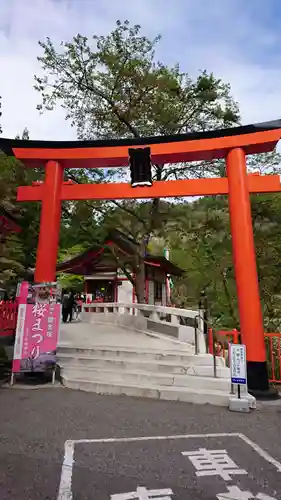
220	344
273	350
8	318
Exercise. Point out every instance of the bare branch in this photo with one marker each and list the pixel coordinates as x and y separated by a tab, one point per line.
122	264
129	211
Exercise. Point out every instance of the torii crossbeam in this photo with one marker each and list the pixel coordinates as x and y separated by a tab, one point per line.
232	144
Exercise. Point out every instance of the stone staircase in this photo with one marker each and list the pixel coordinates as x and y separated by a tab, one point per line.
171	372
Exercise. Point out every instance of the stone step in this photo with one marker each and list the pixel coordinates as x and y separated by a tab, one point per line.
87	347
186	394
123	353
145	378
160	366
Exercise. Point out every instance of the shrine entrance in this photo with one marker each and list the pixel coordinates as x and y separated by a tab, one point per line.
101	290
230	144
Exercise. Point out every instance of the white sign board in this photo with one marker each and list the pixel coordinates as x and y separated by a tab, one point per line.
238	365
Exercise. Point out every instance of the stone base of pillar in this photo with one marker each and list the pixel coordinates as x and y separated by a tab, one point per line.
258	384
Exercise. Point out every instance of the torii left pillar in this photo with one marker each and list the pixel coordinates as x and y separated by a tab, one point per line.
47	251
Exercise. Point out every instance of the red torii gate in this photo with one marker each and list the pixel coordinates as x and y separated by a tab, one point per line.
232	144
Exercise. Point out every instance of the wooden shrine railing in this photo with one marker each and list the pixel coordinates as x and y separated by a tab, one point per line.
273	350
218	345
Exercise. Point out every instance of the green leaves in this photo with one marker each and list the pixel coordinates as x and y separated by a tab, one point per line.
113	86
17	251
0	114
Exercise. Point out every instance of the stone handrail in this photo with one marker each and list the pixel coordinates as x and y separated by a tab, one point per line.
182	324
189	313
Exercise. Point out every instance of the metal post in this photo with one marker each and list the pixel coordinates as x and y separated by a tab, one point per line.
203	306
195	334
229	362
214	353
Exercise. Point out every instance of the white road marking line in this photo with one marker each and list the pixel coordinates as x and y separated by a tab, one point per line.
65	488
261	452
155	438
142	493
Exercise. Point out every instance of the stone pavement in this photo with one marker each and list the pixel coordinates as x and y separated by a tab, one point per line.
240	458
89	335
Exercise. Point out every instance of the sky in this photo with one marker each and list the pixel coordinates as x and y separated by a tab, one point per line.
238	40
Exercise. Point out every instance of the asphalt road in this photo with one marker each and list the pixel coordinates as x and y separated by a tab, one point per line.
35	423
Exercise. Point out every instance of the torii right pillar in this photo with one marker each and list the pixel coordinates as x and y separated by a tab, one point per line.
244	257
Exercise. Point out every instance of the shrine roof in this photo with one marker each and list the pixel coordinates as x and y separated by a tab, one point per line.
193	146
91	260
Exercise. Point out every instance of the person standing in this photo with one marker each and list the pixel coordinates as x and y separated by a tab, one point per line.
71	302
65	303
79	302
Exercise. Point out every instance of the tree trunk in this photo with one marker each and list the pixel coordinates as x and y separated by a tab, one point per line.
140	286
140	275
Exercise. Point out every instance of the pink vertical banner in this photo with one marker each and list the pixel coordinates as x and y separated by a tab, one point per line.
36	336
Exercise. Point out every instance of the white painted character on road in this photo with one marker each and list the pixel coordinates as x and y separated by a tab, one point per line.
234	493
213	463
142	493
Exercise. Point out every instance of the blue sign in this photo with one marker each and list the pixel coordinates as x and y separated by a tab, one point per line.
240	381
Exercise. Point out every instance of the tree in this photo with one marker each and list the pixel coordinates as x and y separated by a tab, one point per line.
199	238
71	281
113	86
11	257
17	250
0	114
117	88
11	254
10	249
206	244
266	210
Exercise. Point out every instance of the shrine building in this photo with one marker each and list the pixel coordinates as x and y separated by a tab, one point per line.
104	279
